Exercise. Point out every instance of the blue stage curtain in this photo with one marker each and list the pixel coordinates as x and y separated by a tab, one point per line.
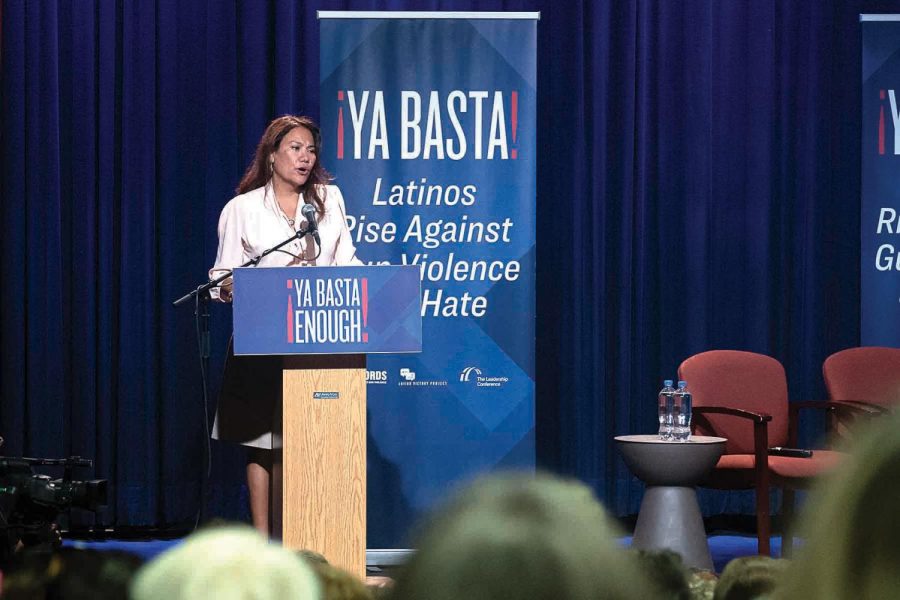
702	159
698	189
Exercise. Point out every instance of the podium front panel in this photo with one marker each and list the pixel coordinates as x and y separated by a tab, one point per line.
327	310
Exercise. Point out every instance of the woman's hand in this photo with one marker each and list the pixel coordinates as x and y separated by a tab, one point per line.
226	290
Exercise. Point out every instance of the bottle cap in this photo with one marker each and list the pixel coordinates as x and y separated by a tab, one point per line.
682	384
667	383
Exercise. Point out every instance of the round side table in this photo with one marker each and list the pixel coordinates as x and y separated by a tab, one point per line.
670	515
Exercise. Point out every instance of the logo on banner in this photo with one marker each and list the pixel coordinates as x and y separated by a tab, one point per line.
329	311
474	374
460	124
467	373
409	379
376	377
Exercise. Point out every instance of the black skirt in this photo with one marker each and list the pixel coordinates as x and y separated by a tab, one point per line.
248	400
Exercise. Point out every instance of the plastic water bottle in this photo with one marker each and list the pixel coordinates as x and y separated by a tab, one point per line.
681	411
666	399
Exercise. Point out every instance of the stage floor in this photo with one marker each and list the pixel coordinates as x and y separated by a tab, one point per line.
724	548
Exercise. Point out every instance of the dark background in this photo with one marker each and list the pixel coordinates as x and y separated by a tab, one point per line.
698	188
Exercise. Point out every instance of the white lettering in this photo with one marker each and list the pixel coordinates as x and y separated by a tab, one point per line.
301	287
434	133
322	326
498	129
479	98
379	137
887	258
409	123
453	306
896	117
452	152
356	119
887	218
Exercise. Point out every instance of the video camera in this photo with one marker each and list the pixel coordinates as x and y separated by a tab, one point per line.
30	504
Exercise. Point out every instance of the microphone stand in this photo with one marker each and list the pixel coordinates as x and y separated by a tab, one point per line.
204	289
201	299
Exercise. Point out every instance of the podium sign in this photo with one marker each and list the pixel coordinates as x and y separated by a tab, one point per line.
327	310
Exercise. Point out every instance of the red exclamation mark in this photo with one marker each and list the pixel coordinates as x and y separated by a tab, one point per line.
365	307
515	122
340	133
290	312
881	126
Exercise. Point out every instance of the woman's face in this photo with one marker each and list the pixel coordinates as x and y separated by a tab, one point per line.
295	157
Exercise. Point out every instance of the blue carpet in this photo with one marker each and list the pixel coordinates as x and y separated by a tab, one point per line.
724	548
146	549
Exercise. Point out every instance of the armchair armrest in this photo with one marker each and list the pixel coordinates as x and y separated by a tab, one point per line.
734	412
760	436
832	405
867	407
846	408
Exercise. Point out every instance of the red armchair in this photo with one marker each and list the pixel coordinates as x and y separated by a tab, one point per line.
742	396
868	375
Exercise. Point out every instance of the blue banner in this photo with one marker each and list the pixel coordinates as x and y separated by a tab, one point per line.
327	310
880	213
429	123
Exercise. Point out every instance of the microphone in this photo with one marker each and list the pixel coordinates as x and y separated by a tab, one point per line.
309	212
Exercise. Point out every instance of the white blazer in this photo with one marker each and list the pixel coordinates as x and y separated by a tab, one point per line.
254	222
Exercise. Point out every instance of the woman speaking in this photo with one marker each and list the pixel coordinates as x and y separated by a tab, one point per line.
285	174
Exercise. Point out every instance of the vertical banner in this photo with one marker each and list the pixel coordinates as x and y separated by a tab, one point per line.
429	128
880	213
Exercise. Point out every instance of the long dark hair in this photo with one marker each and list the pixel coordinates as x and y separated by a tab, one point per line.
257	174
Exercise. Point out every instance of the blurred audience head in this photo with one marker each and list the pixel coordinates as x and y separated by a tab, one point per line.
702	584
665	571
312	557
749	577
71	574
520	536
852	533
338	584
226	563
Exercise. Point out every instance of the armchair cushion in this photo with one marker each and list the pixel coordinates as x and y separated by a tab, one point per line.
733	469
788	472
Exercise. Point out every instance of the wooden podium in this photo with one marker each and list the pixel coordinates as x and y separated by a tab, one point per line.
319	476
324	320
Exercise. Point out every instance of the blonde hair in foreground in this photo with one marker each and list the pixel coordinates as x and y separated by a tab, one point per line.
520	536
852	524
226	563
